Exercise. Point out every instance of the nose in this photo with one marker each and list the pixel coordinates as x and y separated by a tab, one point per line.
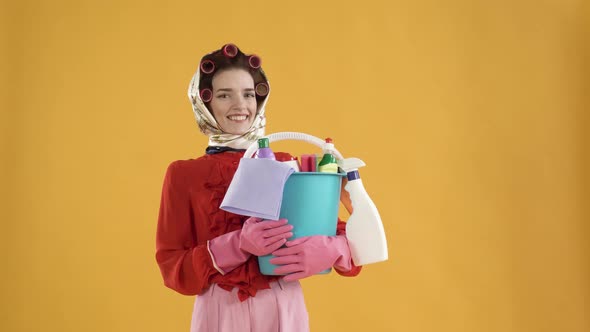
240	102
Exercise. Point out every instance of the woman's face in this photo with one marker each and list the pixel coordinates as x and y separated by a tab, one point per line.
234	101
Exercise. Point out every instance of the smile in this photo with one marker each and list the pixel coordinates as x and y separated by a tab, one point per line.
237	117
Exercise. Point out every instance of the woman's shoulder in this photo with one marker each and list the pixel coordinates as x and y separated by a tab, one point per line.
189	165
191	172
183	163
205	163
209	160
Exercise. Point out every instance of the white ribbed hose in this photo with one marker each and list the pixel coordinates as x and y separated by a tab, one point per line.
287	135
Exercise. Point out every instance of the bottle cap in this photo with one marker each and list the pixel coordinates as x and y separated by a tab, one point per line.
353	175
329	146
263	143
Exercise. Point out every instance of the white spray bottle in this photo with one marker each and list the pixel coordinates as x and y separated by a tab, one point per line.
364	229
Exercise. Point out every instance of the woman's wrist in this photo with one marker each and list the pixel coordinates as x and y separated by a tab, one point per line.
226	253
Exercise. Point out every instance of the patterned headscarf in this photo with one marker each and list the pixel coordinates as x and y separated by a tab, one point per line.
210	127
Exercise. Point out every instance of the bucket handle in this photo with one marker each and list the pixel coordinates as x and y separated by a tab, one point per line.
287	135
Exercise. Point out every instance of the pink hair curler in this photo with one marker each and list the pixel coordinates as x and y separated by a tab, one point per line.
207	66
230	50
206	95
261	89
254	61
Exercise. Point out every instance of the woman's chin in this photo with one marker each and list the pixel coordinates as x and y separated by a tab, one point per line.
238	130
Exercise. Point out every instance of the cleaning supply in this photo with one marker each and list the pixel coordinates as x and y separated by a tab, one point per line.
256	189
328	163
225	252
294	163
310	203
306	256
364	229
264	150
257	237
365	232
261	237
308	163
310	200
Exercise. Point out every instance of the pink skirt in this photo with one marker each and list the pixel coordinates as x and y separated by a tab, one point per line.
278	309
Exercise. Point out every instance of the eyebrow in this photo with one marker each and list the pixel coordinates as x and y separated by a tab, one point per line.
230	90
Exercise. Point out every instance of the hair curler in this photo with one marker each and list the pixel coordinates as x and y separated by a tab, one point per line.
261	89
254	61
206	95
207	66
230	50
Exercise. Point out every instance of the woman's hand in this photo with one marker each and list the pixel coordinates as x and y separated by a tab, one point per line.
261	237
309	255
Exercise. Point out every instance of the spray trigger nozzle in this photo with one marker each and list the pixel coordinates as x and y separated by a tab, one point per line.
349	164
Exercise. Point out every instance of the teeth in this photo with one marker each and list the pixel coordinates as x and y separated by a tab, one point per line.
238	117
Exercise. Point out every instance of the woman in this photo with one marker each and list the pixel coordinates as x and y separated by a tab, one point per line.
202	250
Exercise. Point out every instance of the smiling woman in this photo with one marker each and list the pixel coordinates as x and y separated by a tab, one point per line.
229	86
234	101
202	250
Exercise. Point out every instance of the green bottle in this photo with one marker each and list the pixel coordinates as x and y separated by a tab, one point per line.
328	163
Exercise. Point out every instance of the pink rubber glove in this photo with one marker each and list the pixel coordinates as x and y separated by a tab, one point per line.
310	255
226	253
261	237
257	236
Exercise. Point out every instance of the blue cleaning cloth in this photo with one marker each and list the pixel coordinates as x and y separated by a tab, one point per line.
257	188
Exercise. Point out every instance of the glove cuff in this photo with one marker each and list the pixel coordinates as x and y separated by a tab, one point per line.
344	261
225	252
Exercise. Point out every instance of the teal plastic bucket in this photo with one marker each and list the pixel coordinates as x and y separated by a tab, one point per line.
310	203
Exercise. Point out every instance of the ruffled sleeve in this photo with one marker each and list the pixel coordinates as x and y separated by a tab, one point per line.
185	266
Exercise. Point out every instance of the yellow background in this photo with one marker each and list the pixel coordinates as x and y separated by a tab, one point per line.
472	117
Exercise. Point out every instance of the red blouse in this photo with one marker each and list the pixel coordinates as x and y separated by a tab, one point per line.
190	216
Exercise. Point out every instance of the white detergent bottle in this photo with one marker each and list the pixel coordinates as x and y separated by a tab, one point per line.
364	229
